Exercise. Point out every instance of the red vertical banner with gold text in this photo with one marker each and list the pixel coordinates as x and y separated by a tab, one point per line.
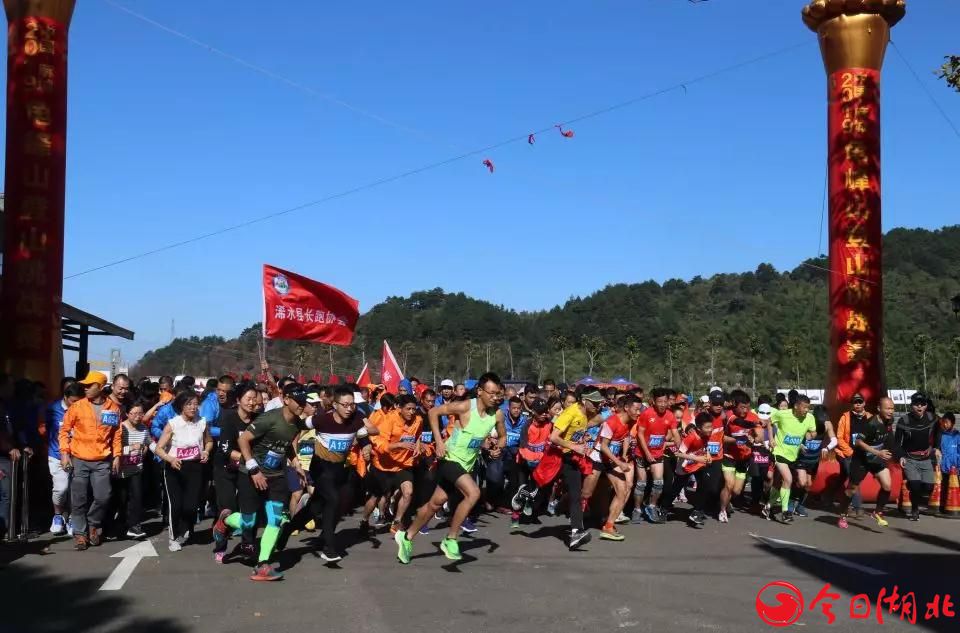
856	286
34	191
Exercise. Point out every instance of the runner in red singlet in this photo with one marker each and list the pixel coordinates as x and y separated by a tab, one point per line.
655	427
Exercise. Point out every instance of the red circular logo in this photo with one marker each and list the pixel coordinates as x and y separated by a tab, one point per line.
788	607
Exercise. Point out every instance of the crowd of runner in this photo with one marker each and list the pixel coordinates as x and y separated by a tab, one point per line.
269	460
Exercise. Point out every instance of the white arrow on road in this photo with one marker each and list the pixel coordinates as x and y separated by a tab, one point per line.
810	550
130	558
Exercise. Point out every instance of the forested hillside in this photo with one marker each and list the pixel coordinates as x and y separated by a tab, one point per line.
692	332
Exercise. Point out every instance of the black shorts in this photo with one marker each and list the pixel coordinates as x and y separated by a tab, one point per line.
448	473
380	483
810	467
860	467
737	466
780	459
643	463
251	500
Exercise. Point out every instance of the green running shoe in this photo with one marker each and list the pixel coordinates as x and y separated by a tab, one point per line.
451	548
405	547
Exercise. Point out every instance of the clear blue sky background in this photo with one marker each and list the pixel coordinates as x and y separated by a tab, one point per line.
167	140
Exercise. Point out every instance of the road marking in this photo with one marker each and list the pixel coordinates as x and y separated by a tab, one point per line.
129	559
622	614
816	553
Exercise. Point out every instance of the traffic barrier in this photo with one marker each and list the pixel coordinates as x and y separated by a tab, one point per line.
933	506
904	505
952	507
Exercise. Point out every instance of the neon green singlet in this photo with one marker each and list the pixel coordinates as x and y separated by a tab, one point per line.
464	445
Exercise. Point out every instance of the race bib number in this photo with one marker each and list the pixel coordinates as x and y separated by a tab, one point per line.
475	443
655	441
426	436
537	448
110	418
339	446
272	460
306	449
741	440
132	459
187	453
616	447
792	440
761	459
812	445
513	439
853	437
408	438
713	448
577	436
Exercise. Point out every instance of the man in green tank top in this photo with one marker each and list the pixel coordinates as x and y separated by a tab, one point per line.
471	422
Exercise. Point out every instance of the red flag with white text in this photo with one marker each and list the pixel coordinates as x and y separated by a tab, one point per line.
301	309
390	374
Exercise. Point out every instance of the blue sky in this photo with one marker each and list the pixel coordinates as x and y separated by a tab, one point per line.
168	140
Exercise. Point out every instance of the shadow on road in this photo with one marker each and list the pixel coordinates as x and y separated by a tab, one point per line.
37	602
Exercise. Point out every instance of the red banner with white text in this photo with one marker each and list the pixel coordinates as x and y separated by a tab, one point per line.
301	309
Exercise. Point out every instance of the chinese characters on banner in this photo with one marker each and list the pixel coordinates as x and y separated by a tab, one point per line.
855	233
34	188
300	309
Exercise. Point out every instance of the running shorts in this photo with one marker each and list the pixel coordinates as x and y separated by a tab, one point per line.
811	466
760	463
382	483
918	470
643	463
739	467
448	472
860	467
780	459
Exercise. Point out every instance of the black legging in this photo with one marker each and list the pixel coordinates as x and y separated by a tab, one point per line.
328	479
709	480
183	494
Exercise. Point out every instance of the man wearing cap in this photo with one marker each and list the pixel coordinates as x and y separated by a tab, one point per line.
90	446
851	425
761	471
267	448
913	446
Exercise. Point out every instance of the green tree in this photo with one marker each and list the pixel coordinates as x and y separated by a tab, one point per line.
755	347
713	346
955	350
675	346
593	347
470	351
950	71
632	347
405	348
562	343
301	356
922	344
793	346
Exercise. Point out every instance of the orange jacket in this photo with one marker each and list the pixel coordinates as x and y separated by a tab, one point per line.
394	429
85	437
844	447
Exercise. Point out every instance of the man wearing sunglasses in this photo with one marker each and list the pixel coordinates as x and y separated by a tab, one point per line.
913	446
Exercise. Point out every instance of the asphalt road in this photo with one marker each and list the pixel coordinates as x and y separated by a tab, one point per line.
666	577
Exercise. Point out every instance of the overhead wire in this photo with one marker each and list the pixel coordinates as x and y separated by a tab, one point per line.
441	163
926	90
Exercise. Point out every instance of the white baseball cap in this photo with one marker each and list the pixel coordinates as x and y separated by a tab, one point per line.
764	411
712	389
705	399
446	382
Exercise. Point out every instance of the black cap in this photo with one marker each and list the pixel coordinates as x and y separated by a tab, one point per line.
718	397
539	406
857	398
919	398
296	392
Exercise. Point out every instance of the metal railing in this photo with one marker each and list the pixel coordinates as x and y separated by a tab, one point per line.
19	500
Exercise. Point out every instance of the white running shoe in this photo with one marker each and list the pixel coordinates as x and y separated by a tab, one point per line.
722	517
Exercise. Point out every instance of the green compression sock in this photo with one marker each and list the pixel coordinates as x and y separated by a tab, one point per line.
784	499
267	542
234	521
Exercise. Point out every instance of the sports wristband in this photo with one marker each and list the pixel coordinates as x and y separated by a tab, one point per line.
832	444
253	471
252	466
153	447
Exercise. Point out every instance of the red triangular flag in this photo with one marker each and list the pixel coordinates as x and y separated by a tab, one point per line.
301	309
390	374
365	378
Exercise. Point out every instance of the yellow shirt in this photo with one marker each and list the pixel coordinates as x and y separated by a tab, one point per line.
571	423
